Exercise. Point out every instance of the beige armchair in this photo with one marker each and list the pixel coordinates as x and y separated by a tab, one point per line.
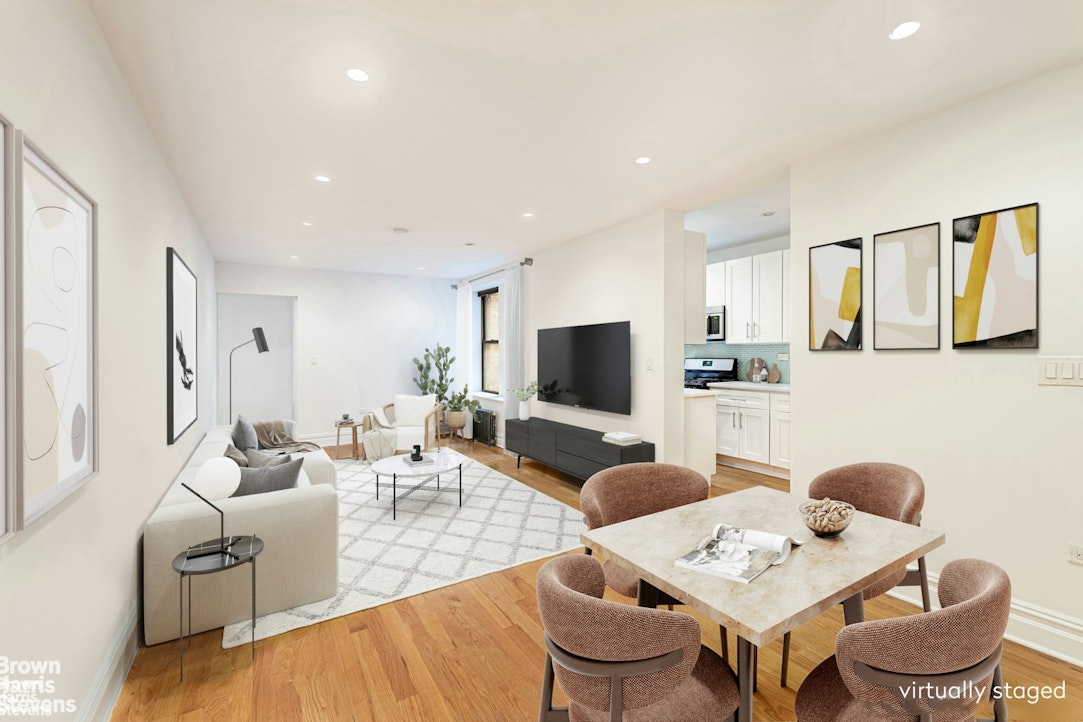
413	419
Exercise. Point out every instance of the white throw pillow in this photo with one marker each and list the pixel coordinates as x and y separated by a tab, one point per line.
411	410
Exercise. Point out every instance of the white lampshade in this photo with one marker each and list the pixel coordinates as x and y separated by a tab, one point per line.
217	478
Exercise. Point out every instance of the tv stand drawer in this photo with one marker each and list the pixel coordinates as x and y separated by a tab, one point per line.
571	449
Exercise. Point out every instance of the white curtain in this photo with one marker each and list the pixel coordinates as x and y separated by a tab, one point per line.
464	344
511	339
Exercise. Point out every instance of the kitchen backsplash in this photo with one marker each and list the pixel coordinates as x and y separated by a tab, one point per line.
744	353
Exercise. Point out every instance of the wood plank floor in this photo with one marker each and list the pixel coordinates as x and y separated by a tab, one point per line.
472	651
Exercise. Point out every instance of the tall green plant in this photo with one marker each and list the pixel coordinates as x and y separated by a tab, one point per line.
433	374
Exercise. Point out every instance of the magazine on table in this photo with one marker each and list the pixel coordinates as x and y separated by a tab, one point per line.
736	553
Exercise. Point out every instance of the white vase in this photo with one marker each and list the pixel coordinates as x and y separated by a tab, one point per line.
524	411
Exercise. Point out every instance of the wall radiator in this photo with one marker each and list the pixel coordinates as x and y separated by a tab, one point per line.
485	426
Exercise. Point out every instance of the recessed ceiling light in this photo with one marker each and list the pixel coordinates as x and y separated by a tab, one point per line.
357	74
768	214
294	258
904	30
399	230
323	179
528	214
421	268
643	160
469	243
306	223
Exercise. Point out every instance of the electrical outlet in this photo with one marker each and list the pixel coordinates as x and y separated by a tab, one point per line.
783	357
1075	553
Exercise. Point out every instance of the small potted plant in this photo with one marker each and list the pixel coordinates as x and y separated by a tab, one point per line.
524	395
457	405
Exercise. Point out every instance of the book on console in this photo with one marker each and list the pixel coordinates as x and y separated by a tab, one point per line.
424	461
737	554
622	438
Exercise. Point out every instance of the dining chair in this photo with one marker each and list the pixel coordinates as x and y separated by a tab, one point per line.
934	667
611	659
892	491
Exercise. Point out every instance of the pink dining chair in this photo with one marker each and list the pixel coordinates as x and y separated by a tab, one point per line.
913	667
614	660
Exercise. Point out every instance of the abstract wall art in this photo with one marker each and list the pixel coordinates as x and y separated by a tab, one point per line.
56	341
906	288
835	296
995	279
181	368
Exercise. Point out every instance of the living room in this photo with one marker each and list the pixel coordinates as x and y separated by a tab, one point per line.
996	450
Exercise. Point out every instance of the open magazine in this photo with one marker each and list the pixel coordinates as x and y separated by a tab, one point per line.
736	553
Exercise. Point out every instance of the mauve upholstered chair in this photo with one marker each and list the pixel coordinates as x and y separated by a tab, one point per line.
880	668
888	490
618	661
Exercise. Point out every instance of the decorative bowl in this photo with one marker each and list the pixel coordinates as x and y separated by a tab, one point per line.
827	518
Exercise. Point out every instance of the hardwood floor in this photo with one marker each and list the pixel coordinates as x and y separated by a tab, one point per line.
472	651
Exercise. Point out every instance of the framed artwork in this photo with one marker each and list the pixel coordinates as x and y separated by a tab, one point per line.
181	346
834	310
7	476
55	344
906	288
995	279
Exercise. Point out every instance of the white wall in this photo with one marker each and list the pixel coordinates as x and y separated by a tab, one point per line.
69	584
262	382
362	329
748	249
1000	455
617	275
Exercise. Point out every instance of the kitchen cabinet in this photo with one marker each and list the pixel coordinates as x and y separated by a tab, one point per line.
699	431
716	284
754	299
780	430
743	425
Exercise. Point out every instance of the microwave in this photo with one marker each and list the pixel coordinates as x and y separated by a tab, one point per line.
716	323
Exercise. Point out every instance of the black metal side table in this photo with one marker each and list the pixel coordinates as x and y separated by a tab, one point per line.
207	558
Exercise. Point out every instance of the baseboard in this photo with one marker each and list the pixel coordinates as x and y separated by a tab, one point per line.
1043	630
744	464
104	690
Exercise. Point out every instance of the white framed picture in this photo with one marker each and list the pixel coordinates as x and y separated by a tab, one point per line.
181	372
55	344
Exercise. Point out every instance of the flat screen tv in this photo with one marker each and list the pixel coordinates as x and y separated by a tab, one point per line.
587	366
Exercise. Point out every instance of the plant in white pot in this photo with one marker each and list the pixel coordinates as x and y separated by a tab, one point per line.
524	395
457	405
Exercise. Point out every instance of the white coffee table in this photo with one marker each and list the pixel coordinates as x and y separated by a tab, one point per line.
444	460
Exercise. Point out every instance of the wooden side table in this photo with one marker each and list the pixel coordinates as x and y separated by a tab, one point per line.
352	426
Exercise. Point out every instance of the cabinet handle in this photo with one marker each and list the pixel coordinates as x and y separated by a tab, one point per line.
755	330
733	419
748	330
742	417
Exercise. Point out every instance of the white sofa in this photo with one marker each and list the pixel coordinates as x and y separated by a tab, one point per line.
298	565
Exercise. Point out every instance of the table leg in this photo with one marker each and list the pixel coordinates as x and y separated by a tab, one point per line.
853	609
356	454
253	560
647	596
745	677
460	485
338	438
394	495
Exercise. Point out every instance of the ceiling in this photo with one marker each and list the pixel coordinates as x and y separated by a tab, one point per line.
478	111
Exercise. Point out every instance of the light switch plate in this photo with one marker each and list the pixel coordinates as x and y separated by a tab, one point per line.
1060	370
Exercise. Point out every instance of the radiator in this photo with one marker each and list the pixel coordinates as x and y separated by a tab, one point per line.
485	426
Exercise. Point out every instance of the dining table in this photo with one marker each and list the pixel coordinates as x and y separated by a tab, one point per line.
818	573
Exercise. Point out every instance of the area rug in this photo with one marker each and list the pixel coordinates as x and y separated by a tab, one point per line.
433	543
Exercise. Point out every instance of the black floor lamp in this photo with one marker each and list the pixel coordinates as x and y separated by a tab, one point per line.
261	346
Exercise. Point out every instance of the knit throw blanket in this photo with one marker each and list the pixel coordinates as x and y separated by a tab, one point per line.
272	435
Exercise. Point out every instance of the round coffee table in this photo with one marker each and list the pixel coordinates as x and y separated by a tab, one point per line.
443	461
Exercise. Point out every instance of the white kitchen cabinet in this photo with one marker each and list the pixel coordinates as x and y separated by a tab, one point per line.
699	432
780	430
716	284
755	433
743	425
754	304
727	434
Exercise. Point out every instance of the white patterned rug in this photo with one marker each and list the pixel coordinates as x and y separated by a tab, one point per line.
433	543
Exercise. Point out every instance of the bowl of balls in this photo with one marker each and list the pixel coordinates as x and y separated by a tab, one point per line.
827	517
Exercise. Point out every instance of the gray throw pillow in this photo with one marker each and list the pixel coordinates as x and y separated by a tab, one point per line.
260	459
269	478
232	452
244	434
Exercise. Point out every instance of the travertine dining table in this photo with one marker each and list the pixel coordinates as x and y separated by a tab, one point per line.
818	574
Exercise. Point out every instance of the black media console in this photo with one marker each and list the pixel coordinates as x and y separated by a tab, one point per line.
571	449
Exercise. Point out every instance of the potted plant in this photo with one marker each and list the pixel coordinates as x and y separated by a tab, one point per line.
457	405
438	361
524	395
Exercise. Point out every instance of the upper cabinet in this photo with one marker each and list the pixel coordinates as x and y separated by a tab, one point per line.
716	284
756	311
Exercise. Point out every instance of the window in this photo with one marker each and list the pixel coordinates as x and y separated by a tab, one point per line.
490	340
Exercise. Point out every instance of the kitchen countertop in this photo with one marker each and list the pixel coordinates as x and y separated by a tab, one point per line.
695	393
751	386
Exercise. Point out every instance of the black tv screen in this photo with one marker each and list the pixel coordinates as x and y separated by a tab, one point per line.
587	366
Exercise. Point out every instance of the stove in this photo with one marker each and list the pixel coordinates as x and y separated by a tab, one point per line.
698	372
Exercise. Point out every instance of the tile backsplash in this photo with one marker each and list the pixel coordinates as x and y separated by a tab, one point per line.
743	352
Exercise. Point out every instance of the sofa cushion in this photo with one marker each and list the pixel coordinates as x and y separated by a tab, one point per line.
411	410
244	434
237	455
269	478
260	459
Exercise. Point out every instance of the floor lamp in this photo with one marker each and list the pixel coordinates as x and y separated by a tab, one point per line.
261	346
